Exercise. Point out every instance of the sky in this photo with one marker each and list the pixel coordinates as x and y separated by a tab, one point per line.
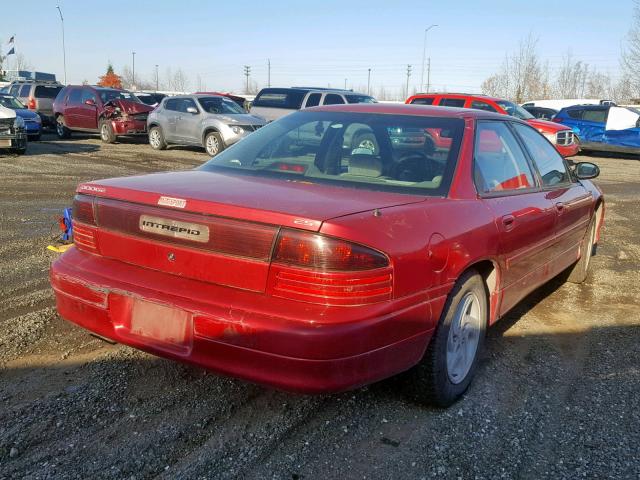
326	43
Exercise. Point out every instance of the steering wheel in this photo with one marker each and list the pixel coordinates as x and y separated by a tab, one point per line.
412	167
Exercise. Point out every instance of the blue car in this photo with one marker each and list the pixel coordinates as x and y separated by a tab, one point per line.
603	128
32	121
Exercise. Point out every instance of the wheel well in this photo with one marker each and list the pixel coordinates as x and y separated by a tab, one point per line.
488	270
153	124
207	131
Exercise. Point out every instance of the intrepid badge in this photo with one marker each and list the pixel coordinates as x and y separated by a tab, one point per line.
174	228
172	202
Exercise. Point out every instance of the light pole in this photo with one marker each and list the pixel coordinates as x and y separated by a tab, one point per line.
345	83
133	73
156	77
369	83
64	52
424	54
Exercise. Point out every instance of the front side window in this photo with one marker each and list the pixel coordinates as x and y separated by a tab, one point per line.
187	103
75	96
172	104
514	110
452	102
332	99
88	95
499	162
220	105
546	158
422	101
313	100
374	152
14	90
576	113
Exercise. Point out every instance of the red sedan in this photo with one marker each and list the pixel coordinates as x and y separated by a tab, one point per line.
333	248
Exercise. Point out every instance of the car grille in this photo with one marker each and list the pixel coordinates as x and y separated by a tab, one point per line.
565	137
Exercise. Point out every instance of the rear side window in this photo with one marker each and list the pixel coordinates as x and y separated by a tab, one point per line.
280	98
575	114
25	90
499	162
546	158
332	99
313	100
478	105
452	102
47	91
75	96
422	101
599	116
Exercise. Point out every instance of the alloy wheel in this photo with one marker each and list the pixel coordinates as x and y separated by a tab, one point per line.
463	339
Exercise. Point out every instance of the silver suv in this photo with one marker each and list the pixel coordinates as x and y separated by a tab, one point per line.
37	95
211	121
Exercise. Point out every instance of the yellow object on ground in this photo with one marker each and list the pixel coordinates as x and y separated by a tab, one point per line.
60	248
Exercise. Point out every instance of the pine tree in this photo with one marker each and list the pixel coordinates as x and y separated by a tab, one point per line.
110	79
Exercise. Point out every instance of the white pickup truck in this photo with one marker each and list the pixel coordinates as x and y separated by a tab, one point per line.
273	103
13	136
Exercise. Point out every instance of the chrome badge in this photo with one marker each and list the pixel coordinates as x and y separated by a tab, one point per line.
174	228
172	202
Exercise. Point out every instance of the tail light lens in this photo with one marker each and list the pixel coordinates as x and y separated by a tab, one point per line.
32	103
319	269
84	223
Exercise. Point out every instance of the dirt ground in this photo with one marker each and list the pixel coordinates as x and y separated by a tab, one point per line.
557	394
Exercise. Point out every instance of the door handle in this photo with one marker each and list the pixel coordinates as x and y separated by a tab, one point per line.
560	207
508	222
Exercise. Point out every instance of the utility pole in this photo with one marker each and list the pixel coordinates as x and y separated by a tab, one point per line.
247	72
408	75
424	54
133	73
369	83
157	78
64	51
429	75
345	83
268	72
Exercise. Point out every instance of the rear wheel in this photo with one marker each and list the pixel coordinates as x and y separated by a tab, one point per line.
61	128
156	139
106	132
578	271
213	143
451	359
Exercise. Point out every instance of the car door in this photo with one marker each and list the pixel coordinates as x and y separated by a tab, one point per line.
169	119
525	217
72	109
87	110
188	124
573	203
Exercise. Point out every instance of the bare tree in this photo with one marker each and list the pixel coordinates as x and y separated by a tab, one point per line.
126	75
180	81
630	59
21	63
571	79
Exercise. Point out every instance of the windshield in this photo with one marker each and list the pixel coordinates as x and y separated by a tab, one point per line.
403	153
360	99
108	95
10	102
220	105
515	110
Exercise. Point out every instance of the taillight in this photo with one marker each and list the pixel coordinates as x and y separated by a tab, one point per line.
310	250
32	103
329	271
84	223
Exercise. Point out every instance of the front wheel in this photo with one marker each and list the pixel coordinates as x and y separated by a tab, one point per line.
156	139
451	359
213	143
106	132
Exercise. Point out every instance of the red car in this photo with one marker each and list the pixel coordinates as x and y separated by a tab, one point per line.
107	111
561	136
299	260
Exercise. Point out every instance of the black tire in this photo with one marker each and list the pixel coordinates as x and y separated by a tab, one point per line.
106	131
432	380
61	129
156	138
213	143
20	151
578	272
34	138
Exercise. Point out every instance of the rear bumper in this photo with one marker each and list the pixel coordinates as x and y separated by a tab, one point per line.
297	347
129	127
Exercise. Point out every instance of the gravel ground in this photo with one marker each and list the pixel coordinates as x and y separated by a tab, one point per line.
556	395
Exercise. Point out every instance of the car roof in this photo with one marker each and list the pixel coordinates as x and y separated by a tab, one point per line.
479	96
198	95
408	109
313	89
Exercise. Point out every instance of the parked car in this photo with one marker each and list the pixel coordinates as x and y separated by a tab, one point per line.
560	136
317	267
32	121
107	111
559	104
273	103
541	113
152	99
37	95
604	128
13	136
209	121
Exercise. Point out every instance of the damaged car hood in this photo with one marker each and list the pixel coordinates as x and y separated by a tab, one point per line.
128	107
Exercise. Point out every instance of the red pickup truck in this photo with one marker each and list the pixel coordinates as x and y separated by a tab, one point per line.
561	136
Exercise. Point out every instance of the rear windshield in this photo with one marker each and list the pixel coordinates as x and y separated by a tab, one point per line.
401	153
279	98
47	91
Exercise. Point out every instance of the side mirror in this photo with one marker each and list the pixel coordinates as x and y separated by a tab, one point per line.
586	170
192	110
91	102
